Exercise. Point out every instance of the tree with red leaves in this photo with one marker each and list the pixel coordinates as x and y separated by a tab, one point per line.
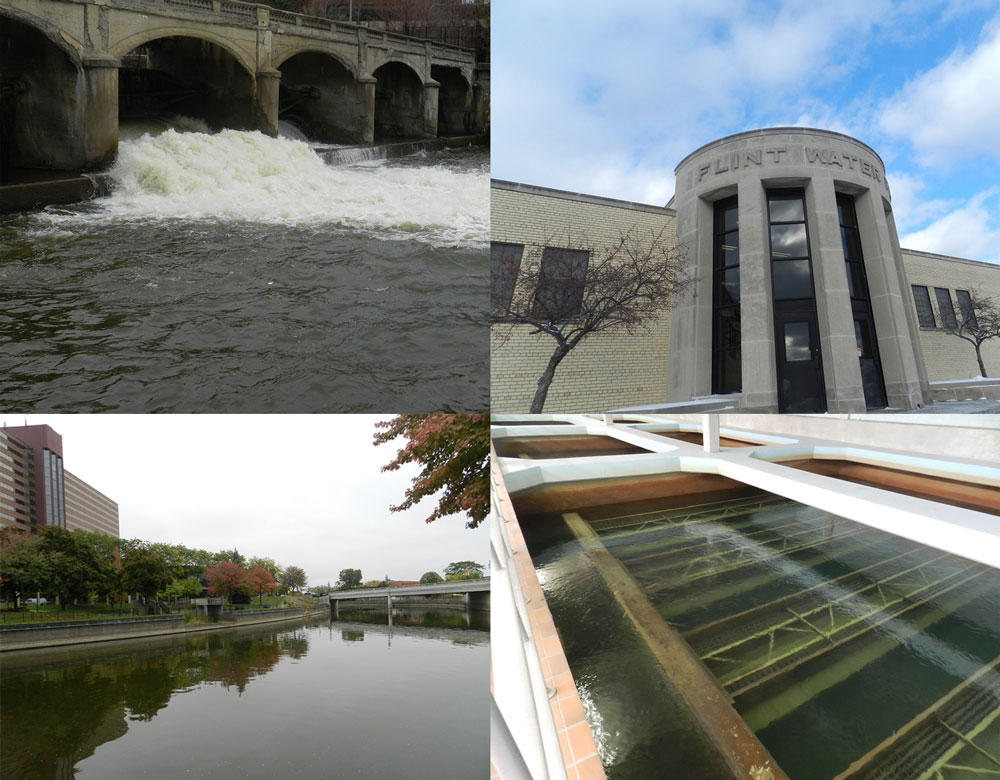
260	579
225	579
454	451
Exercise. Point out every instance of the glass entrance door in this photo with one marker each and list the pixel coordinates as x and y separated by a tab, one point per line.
800	364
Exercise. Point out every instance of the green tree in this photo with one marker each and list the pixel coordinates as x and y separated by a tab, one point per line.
77	570
464	570
25	568
453	451
267	563
146	573
189	587
349	578
429	578
293	578
233	556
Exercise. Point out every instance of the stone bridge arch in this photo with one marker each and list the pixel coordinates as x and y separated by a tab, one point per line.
62	40
47	88
166	71
455	114
245	58
405	103
321	95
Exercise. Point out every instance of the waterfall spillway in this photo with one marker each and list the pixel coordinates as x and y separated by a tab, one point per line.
239	175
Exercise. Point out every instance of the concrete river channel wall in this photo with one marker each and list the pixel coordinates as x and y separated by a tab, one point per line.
72	632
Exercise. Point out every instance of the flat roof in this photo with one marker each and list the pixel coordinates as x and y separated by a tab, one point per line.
597	200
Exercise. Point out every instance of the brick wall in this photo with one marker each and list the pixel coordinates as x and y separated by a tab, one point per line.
946	356
606	369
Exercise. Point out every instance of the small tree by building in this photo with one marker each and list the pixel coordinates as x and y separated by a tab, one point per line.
349	578
570	294
978	321
431	577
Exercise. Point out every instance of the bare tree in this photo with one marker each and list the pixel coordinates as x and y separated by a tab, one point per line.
572	293
979	321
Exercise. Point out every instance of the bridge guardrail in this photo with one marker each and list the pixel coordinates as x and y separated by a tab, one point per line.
248	13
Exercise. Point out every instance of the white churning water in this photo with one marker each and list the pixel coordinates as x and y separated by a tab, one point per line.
236	175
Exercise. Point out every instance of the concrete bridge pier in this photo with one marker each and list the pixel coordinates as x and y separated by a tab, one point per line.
266	93
431	93
99	112
366	92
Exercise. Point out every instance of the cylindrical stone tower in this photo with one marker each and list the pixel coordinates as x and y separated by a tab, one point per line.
798	302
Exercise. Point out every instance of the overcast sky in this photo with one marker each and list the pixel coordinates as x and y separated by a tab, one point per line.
306	490
606	98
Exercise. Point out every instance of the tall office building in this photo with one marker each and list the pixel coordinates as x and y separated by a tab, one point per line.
36	491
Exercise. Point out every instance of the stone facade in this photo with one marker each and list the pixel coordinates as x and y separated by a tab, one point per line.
814	166
617	370
607	368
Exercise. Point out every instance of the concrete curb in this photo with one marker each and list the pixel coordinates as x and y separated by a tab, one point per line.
58	636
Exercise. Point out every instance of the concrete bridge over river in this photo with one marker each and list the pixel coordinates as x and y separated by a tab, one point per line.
69	68
474	591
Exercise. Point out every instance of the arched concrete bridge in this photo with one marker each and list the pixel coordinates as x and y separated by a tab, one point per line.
67	63
471	589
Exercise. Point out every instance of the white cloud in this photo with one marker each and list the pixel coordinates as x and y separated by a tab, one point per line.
953	109
581	87
972	230
910	207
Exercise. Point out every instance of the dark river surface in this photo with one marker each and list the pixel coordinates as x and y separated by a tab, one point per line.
239	273
319	700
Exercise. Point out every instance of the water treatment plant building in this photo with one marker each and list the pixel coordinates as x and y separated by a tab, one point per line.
800	298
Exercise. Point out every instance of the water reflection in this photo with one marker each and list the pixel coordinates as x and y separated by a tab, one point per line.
251	703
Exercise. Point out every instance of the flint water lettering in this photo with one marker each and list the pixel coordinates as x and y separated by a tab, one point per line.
844	161
745	159
736	160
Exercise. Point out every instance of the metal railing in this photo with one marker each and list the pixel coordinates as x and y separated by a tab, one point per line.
256	14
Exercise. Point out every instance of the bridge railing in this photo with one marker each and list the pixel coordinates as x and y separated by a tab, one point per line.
256	13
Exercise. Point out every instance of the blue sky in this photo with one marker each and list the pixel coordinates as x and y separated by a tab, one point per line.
606	98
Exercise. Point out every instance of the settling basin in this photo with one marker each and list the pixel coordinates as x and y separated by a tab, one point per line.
715	629
323	699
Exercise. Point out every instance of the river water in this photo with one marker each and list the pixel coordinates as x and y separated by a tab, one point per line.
320	700
240	273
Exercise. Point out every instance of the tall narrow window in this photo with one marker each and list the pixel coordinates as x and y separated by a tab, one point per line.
922	300
965	306
726	355
801	387
945	308
864	319
560	284
505	262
